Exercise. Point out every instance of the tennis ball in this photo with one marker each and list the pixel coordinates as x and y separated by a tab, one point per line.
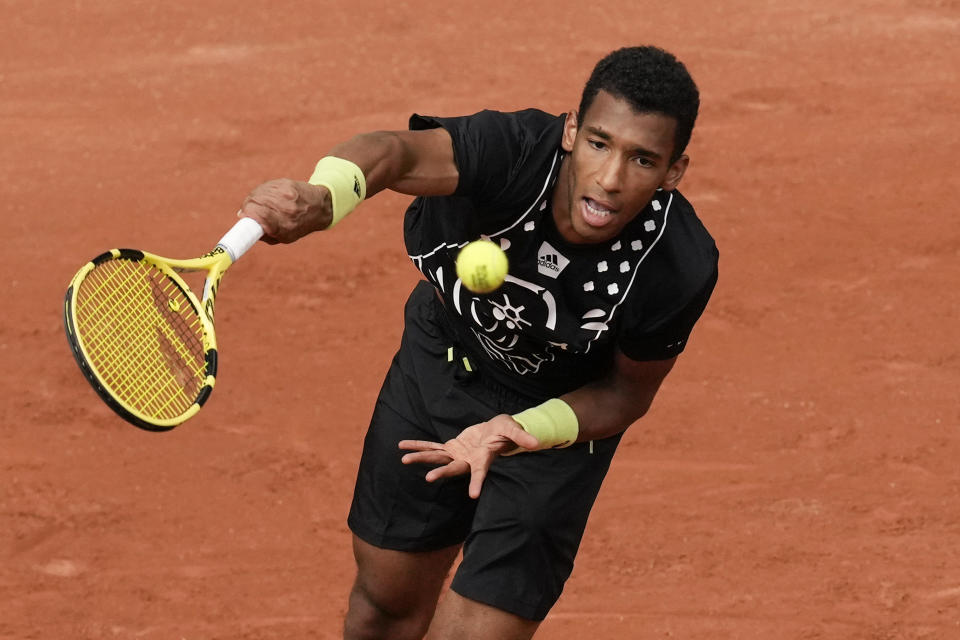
482	266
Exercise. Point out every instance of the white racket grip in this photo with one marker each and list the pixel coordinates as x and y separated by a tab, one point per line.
241	237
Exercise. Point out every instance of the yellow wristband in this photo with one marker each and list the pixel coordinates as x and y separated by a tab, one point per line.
345	182
553	423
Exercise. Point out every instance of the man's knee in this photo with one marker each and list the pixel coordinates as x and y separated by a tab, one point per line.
378	614
395	593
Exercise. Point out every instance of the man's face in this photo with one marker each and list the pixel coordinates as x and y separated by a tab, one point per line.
617	160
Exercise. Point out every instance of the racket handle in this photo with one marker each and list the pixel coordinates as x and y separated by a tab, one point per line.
241	237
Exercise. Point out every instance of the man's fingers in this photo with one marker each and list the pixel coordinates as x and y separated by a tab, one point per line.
256	211
455	468
420	445
477	476
523	438
426	457
470	452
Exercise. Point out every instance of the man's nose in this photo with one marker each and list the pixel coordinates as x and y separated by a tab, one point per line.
609	174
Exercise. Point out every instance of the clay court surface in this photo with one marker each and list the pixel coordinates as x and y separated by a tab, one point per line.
798	475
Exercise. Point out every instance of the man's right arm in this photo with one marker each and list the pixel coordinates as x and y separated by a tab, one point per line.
419	163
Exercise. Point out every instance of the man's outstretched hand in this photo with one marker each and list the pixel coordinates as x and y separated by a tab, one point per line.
473	451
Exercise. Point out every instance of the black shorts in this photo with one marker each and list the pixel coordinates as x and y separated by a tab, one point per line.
521	535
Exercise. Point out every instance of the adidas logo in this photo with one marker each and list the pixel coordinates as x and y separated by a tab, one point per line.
550	262
356	186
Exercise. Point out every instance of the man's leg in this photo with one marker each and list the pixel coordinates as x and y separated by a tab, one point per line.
395	594
461	619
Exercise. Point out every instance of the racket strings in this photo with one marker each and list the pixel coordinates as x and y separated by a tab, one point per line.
141	380
123	354
143	336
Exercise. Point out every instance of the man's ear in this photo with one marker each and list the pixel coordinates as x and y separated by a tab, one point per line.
675	173
569	131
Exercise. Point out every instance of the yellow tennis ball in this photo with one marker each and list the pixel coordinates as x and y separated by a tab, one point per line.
482	266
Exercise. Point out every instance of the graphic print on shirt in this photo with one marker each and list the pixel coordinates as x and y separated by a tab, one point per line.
526	322
500	325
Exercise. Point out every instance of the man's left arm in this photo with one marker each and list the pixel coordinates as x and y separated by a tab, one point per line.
602	409
609	405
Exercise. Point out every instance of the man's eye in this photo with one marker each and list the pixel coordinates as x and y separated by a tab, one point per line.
644	161
596	144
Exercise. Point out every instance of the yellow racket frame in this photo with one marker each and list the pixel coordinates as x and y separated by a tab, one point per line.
215	263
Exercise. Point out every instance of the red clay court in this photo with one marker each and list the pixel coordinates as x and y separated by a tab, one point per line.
798	475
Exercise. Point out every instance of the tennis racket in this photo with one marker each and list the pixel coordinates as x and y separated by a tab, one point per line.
141	336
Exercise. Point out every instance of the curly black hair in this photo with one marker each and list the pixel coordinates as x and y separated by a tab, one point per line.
652	81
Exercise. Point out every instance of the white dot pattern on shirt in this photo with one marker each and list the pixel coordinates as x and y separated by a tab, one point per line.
614	276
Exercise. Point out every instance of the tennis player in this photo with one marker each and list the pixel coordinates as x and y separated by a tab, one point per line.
510	405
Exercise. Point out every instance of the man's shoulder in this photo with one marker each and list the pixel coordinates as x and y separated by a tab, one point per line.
682	250
533	117
685	217
522	123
